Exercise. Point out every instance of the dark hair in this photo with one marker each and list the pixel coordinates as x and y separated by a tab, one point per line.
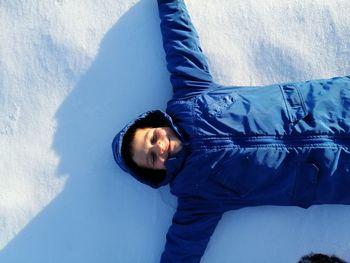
152	120
320	258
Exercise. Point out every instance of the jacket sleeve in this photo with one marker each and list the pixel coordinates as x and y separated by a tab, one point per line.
189	234
188	66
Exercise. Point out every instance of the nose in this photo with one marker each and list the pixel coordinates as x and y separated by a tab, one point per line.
159	149
159	146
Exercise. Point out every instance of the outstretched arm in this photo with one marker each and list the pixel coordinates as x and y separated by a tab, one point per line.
186	62
189	234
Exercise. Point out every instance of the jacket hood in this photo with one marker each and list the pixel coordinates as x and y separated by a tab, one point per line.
117	149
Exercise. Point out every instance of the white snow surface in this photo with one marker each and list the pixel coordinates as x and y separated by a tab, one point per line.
74	72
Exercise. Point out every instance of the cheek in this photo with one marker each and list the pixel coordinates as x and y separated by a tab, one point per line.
136	159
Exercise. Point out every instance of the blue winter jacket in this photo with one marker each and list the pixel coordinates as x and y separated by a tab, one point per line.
285	144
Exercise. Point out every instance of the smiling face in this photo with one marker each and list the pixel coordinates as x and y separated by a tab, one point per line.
151	147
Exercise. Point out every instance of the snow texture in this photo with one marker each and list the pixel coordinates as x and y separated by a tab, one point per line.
72	73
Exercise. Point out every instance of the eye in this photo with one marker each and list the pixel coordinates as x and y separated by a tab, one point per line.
153	158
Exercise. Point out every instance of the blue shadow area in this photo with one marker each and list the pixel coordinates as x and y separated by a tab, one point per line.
101	214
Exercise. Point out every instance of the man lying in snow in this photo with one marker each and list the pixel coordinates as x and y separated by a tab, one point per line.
223	148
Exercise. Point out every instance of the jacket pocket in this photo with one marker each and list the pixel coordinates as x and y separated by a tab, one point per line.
305	185
294	101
